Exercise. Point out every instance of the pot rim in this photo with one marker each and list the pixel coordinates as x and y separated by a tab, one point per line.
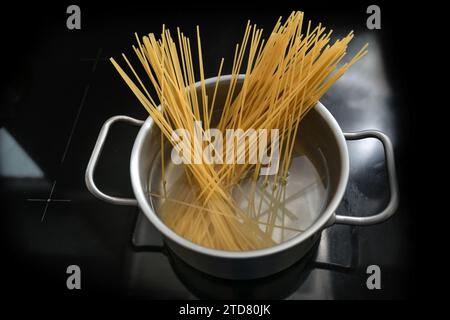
317	226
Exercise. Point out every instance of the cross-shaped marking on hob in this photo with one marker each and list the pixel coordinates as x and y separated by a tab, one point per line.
95	60
48	200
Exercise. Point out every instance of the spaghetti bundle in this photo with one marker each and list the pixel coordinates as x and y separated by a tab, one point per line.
284	78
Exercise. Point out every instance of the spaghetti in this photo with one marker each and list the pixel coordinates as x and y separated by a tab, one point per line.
284	78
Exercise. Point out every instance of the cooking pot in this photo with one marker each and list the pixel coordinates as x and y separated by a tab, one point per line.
318	128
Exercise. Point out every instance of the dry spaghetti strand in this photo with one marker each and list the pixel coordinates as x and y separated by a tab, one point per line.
285	75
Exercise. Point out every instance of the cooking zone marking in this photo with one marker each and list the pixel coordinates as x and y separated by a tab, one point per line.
83	99
69	140
48	200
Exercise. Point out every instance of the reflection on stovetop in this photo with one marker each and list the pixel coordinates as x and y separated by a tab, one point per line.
153	270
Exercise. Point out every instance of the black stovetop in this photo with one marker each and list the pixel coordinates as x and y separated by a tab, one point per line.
61	91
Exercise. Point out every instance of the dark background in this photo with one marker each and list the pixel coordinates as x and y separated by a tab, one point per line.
48	69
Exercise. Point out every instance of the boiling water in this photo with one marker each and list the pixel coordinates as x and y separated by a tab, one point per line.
283	209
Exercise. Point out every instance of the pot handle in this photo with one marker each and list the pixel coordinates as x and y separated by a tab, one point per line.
89	176
392	177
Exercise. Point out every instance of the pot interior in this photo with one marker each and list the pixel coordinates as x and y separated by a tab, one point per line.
312	181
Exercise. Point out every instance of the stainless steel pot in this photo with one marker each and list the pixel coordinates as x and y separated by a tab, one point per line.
319	127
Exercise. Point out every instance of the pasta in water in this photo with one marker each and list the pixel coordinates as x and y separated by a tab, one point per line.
285	76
